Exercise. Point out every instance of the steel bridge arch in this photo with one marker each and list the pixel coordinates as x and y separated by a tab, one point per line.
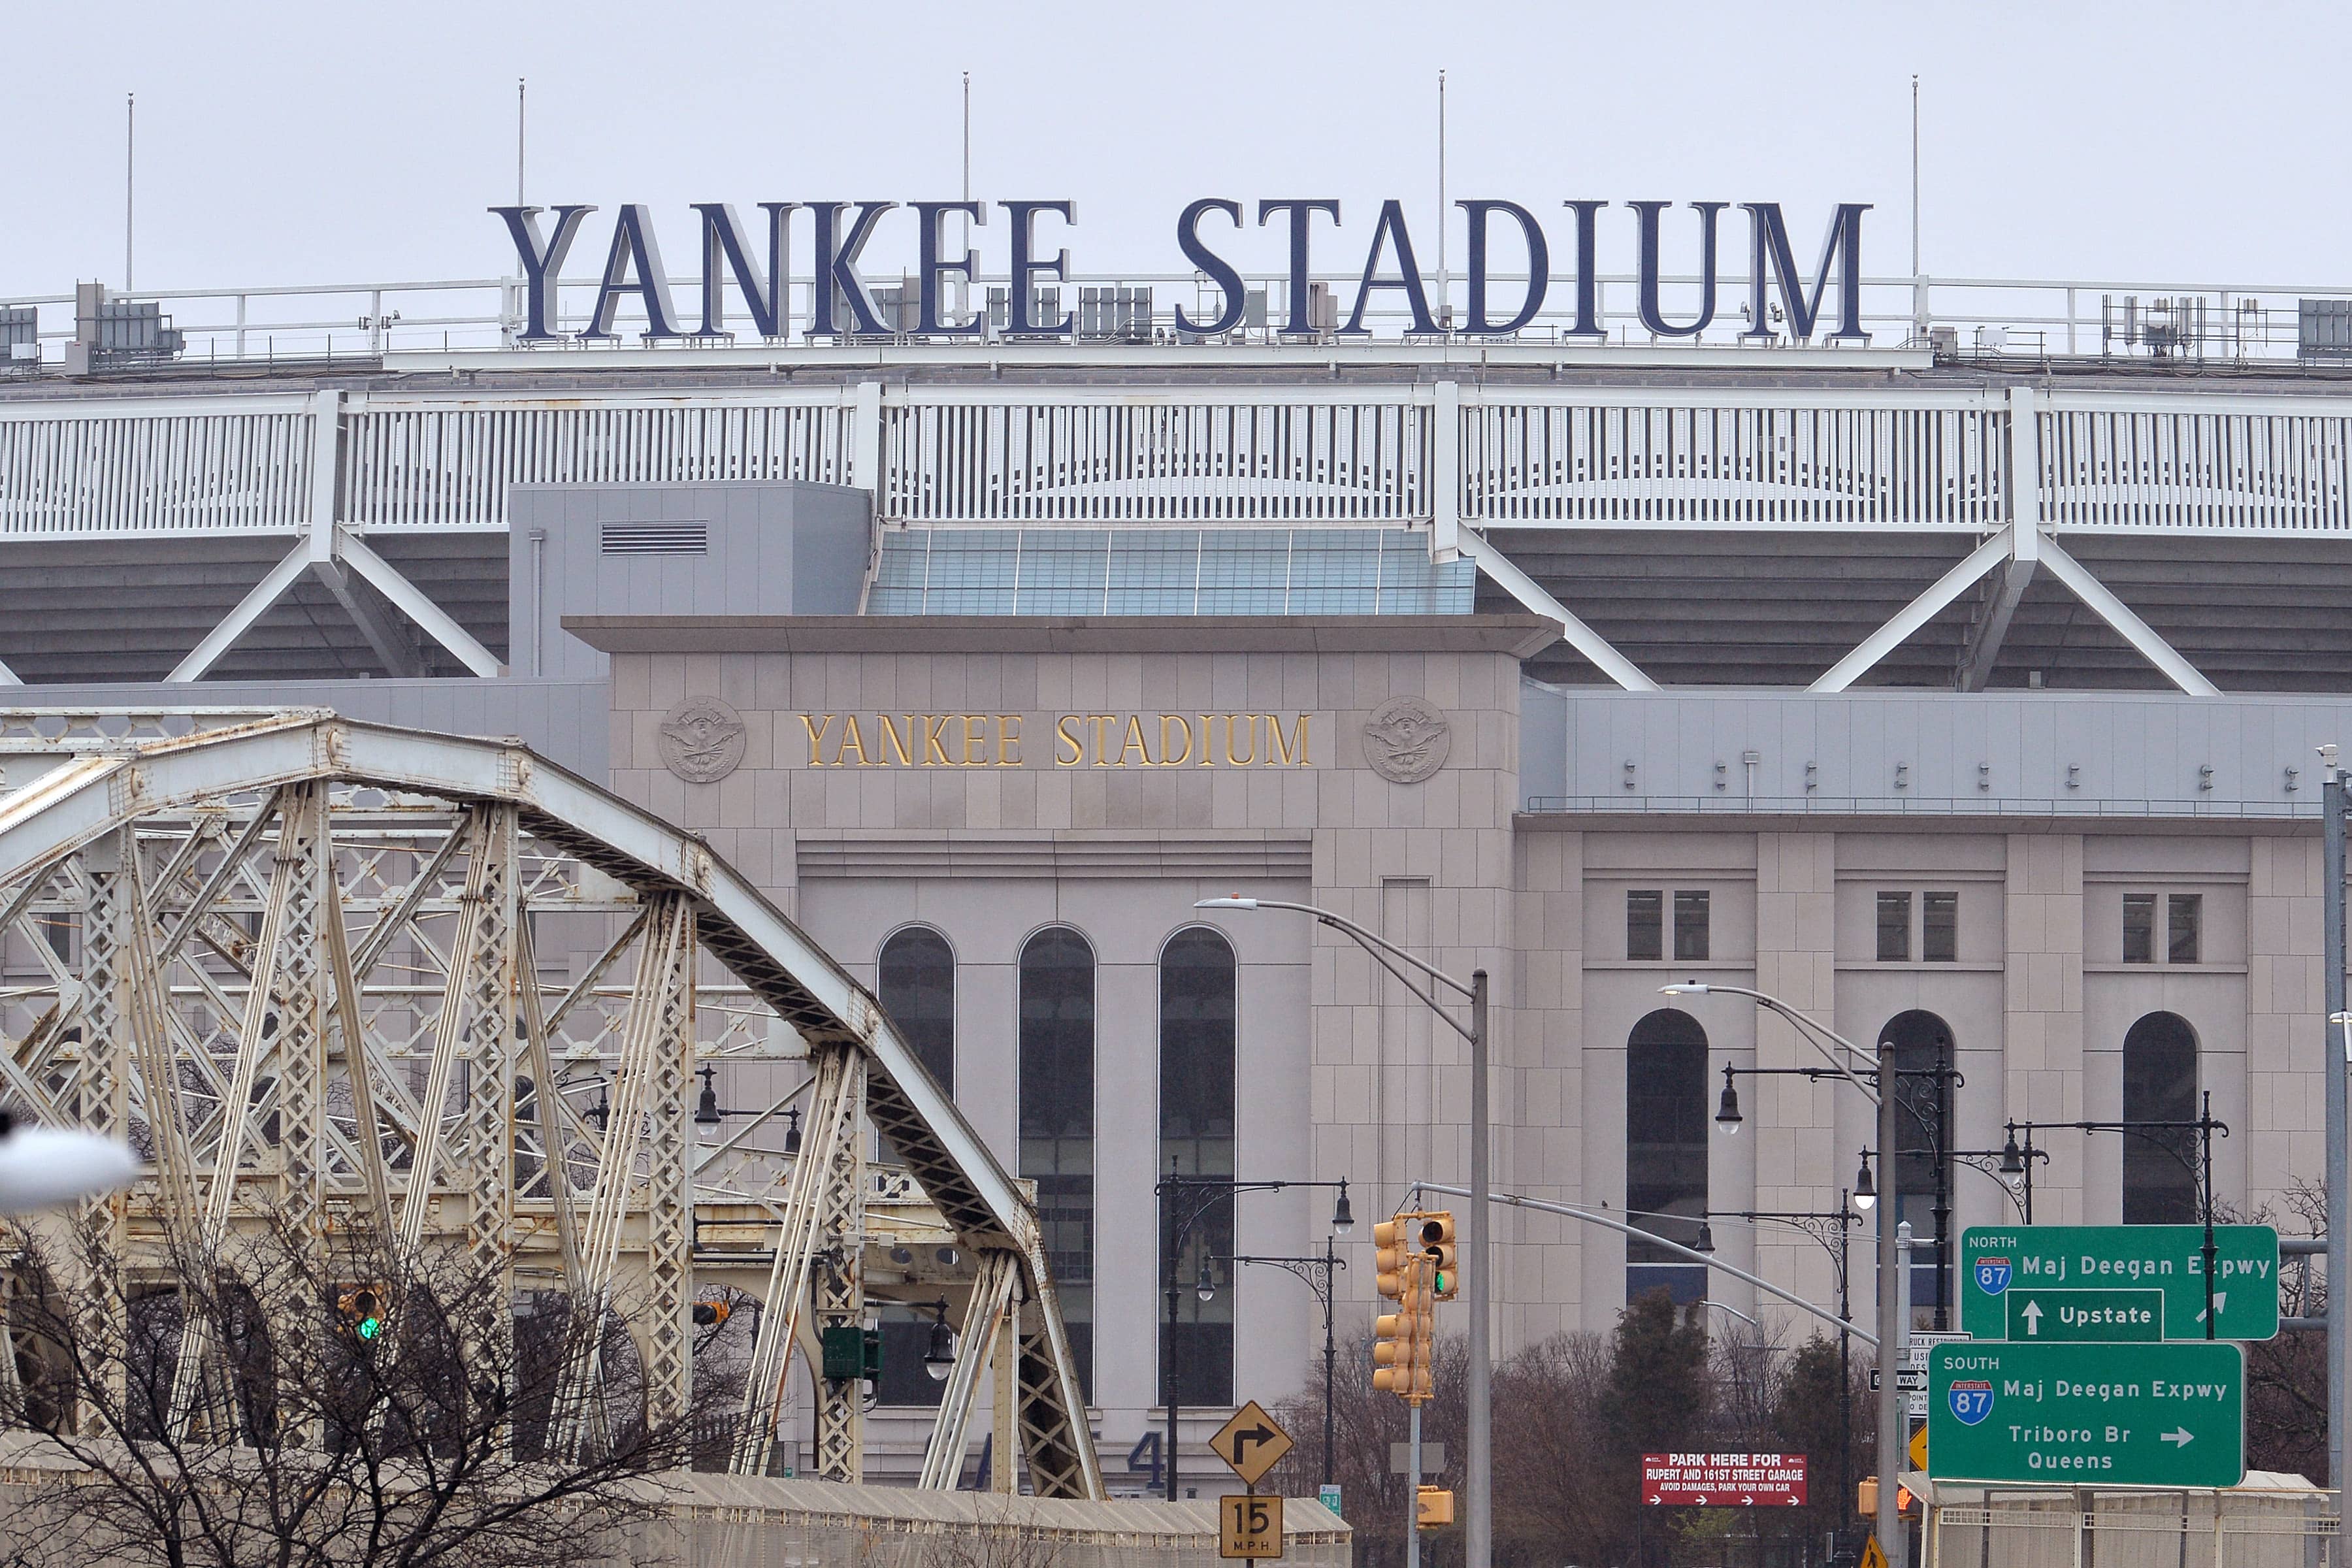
87	785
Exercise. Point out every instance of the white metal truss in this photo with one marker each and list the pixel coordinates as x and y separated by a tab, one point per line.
1572	630
297	961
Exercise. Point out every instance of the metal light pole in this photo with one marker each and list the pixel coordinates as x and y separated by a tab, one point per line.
1894	1333
2334	1054
1891	1330
1319	1272
1203	1193
1477	1474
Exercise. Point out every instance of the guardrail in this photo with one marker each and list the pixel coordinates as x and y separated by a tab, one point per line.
1994	320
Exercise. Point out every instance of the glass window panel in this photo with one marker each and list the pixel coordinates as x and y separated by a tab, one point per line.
1893	927
2140	928
2184	923
1690	925
1665	1149
2160	1085
1923	1060
917	986
1056	1050
906	1337
1196	1139
1645	924
1939	927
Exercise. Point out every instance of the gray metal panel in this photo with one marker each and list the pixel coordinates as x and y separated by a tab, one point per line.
2136	754
773	548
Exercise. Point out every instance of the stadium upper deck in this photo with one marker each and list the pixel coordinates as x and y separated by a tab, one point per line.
2169	505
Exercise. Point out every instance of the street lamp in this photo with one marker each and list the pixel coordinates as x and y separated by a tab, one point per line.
1893	1332
939	1354
1478	1505
1864	1194
1726	1112
1318	1272
1197	1195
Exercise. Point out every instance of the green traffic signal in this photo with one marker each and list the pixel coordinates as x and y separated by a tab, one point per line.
371	1326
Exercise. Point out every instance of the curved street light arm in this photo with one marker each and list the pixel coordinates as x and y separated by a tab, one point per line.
1340	922
1808	1028
1515	1201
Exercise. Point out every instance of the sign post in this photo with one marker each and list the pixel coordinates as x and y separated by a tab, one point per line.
2088	1413
1253	1442
2116	1262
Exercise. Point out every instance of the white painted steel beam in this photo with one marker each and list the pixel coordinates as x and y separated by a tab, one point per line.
411	601
399	656
1913	616
9	677
2103	603
1573	631
1991	629
251	608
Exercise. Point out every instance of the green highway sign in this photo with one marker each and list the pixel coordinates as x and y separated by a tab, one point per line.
2076	1415
2168	1258
2080	1316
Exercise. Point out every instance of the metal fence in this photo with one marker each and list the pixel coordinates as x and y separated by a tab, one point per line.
1895	458
2155	1530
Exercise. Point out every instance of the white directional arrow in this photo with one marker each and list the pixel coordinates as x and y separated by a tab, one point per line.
2181	1437
2032	1316
2220	1304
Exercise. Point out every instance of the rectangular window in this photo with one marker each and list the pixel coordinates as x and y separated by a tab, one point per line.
2184	918
1939	927
1893	927
1645	925
2140	928
1690	925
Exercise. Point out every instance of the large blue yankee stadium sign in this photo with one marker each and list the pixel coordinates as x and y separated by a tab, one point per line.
758	271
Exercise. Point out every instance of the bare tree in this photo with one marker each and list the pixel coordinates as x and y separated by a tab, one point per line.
369	1406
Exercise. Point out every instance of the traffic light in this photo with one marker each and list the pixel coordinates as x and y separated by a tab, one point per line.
1436	1508
1865	1499
709	1314
1435	1235
362	1311
848	1352
1400	1347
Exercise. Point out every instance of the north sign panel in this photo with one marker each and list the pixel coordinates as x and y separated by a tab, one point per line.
2169	1259
2076	1415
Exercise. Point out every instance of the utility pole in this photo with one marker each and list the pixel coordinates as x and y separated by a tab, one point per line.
1891	1330
1478	1468
129	174
2337	1046
1444	280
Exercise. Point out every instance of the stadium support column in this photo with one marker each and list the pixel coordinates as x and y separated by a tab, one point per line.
1445	471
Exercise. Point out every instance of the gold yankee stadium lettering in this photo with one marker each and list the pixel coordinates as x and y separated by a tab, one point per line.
1080	740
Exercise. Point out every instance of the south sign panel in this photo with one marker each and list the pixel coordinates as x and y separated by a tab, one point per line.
1996	1260
2088	1414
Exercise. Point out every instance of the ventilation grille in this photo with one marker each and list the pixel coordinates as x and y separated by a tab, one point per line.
657	539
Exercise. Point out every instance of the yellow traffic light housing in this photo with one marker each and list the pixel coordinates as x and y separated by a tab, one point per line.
362	1311
1434	1236
1436	1508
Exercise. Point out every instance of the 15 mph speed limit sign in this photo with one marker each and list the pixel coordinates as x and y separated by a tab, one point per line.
1249	1525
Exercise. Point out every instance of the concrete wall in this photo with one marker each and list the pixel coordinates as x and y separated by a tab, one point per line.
772	548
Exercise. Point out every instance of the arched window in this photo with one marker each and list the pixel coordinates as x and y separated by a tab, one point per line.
1665	1150
916	983
1057	1118
1196	1139
2160	1085
1923	1119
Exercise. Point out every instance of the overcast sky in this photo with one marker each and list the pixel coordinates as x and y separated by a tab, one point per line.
360	142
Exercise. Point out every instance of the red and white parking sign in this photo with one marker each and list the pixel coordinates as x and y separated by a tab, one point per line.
1723	1480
